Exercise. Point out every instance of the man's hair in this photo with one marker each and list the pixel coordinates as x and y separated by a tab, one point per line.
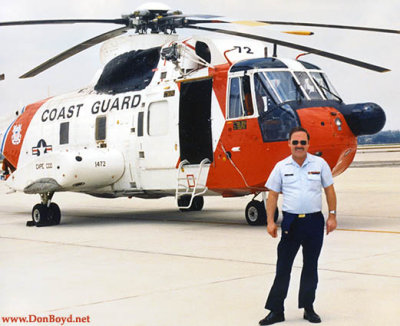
296	129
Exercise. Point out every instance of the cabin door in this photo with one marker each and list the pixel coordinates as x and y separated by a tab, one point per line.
195	137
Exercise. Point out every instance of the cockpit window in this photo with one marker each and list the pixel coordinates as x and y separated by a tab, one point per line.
284	85
235	103
275	118
309	87
240	101
327	88
266	98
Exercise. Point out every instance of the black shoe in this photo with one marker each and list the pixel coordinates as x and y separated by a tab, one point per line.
311	316
272	318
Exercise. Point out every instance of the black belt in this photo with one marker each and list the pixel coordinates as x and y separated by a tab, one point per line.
302	215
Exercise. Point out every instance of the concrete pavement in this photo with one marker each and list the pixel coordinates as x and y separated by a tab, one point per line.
141	262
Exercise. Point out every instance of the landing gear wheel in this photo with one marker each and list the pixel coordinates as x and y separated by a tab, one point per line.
255	213
39	215
44	216
54	214
183	201
197	203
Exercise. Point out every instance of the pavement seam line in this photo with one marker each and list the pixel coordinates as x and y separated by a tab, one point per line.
191	256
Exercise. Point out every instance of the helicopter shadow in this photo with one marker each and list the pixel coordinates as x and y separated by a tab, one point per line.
210	217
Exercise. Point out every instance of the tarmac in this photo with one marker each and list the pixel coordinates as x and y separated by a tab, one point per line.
134	262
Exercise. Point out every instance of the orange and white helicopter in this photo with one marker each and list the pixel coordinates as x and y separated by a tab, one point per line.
185	117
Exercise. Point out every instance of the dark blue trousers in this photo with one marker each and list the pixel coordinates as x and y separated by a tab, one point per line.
307	232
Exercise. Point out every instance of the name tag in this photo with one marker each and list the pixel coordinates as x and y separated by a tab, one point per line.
314	172
289	175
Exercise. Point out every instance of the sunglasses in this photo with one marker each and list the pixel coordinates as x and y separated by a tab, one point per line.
302	142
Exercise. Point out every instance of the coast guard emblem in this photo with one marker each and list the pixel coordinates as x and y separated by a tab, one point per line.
16	134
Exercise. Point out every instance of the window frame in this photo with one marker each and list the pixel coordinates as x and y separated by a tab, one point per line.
243	115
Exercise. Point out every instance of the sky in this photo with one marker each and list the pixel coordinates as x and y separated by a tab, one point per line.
23	48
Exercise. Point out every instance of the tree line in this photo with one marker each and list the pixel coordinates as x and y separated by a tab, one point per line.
383	137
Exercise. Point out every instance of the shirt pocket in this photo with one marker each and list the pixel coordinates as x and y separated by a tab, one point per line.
288	177
314	180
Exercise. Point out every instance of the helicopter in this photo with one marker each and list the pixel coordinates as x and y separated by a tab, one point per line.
188	117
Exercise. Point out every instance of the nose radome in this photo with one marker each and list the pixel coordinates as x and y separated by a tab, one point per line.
364	118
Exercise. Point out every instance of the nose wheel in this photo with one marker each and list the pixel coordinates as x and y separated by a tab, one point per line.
256	214
45	213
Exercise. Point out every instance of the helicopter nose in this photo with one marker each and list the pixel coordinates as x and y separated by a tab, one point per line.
364	118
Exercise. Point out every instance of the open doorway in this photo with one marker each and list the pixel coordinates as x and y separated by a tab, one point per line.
195	135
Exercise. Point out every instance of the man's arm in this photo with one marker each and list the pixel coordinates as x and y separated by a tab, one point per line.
331	222
271	208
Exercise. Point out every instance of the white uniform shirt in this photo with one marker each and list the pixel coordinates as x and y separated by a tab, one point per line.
301	185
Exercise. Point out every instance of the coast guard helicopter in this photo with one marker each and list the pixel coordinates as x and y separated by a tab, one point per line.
186	117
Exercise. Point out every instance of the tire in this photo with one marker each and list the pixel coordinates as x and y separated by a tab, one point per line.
54	214
39	215
197	203
255	213
184	201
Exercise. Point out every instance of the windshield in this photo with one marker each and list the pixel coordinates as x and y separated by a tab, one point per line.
266	98
309	87
284	86
327	88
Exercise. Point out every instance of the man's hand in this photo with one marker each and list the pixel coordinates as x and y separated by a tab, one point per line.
271	207
272	229
331	223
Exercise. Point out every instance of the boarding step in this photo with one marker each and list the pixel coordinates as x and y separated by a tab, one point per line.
191	181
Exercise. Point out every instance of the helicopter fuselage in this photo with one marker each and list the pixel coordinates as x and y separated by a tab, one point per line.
217	129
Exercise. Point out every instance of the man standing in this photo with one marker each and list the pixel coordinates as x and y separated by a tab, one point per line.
299	177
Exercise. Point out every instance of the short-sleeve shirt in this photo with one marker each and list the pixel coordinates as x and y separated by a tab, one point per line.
301	185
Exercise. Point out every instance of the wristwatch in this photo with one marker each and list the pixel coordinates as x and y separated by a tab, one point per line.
332	212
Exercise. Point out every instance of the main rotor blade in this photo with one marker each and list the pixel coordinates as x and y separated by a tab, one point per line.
74	50
297	47
266	23
120	21
359	28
